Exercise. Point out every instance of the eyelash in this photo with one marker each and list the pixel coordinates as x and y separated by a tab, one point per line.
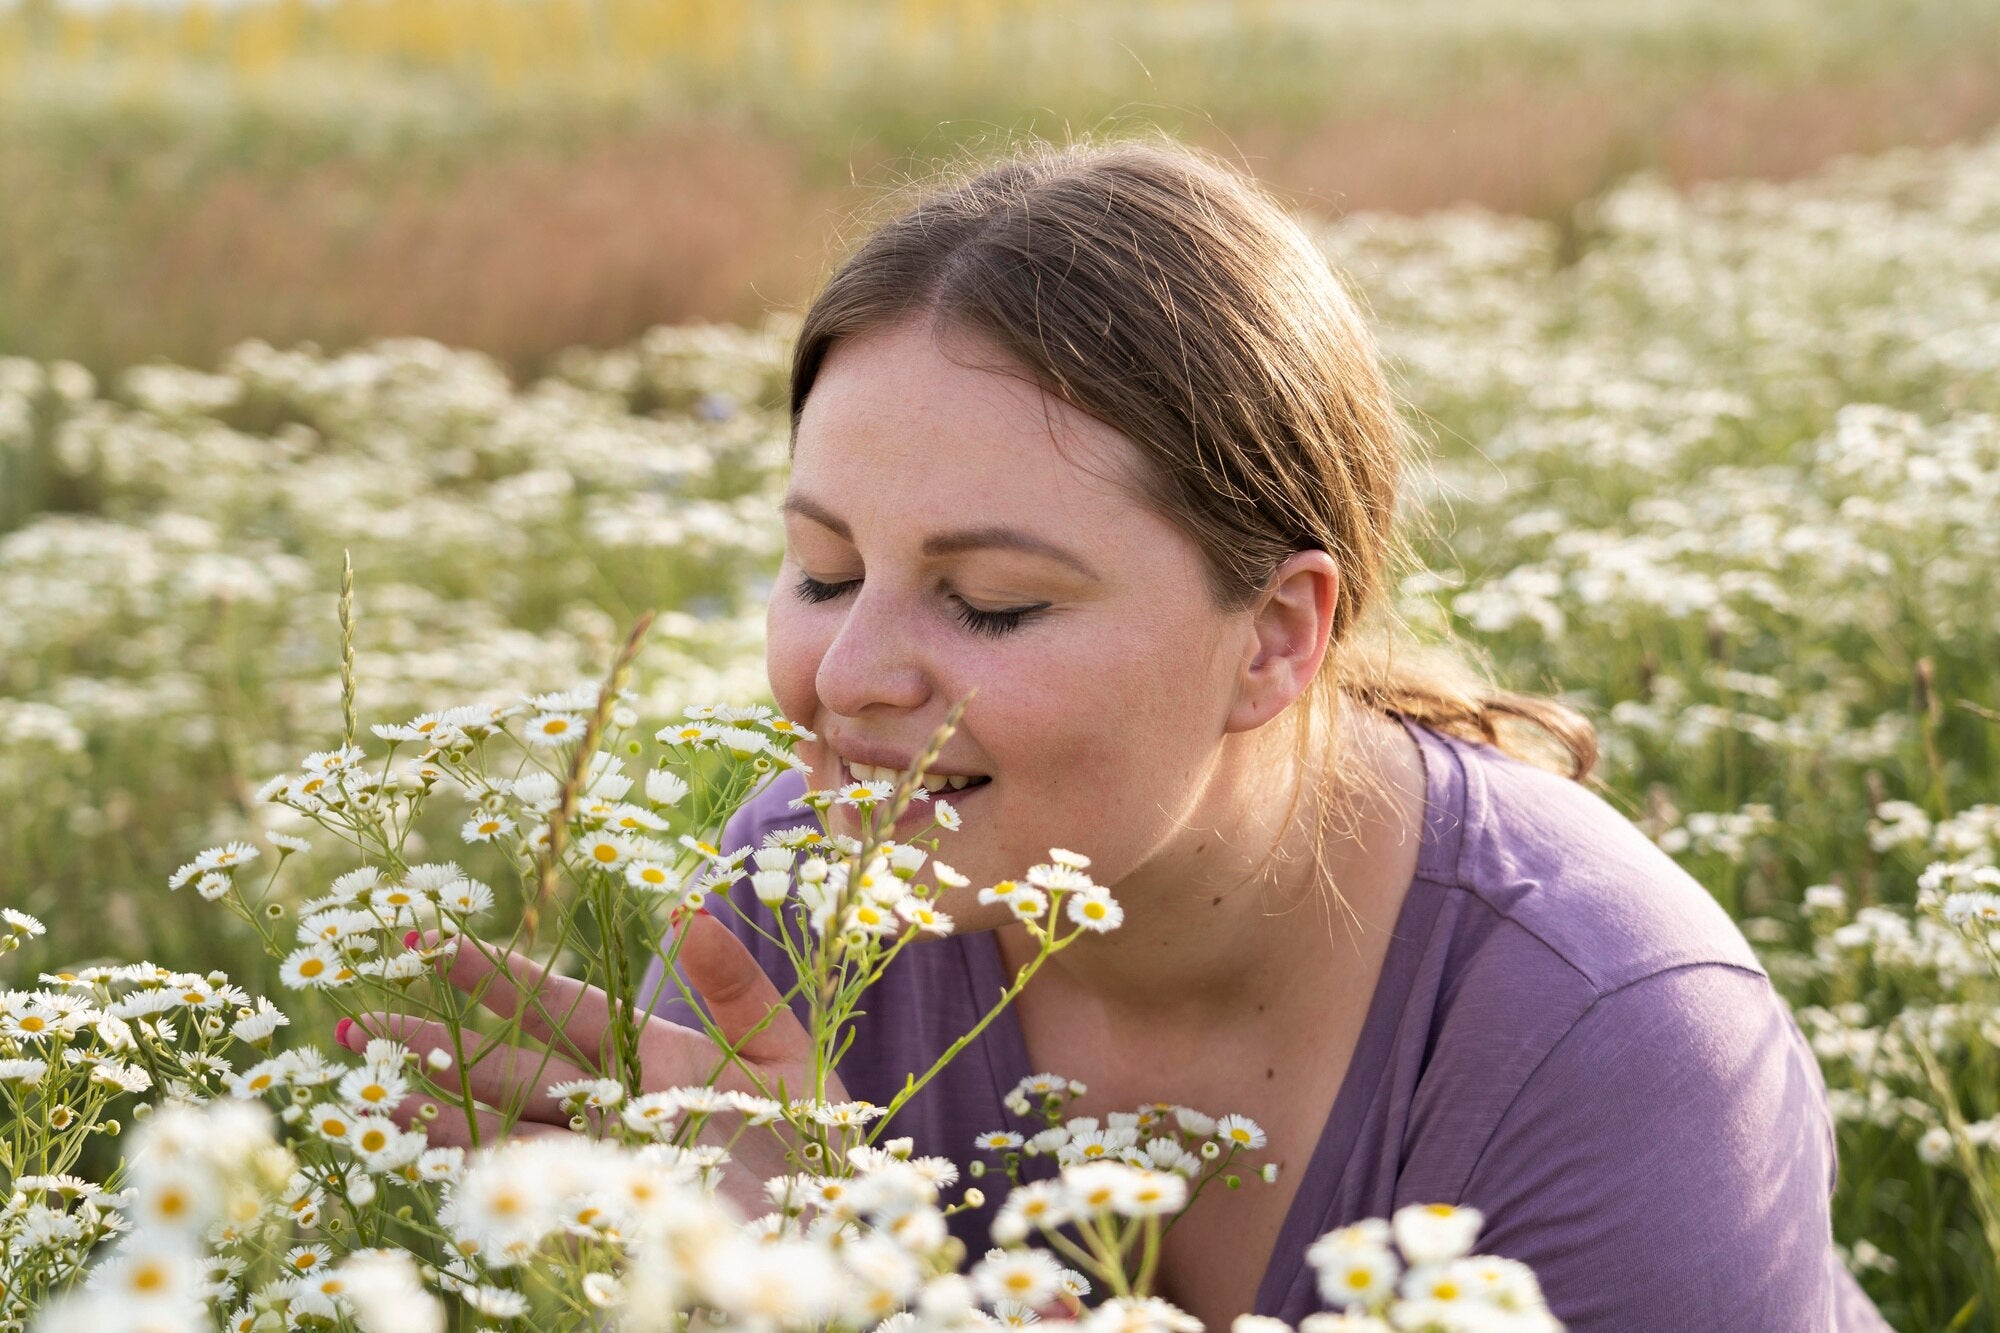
993	623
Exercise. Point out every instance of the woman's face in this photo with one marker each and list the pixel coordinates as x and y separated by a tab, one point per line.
937	545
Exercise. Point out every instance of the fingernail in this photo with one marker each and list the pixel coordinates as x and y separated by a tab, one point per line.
703	911
410	940
340	1031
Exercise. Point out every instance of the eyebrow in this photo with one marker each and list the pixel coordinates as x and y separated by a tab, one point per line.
991	537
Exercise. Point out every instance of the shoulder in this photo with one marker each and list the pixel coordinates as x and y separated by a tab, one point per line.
1553	946
1547	867
1603	1057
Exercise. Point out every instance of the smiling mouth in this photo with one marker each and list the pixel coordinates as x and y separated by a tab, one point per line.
937	784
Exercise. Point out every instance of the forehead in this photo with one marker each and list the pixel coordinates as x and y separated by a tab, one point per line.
917	414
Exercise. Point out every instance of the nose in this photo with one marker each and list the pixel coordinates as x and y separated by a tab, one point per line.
877	657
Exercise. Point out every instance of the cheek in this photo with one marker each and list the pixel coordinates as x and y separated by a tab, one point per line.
794	643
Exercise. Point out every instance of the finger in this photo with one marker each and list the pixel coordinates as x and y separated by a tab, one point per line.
448	1128
739	996
502	1075
566	1013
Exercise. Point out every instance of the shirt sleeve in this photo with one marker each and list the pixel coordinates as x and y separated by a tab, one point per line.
1669	1165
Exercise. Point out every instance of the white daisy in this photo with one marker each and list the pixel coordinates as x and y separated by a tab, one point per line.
467	897
332	1123
315	966
1239	1131
1061	879
690	735
1434	1233
547	730
354	884
1027	1276
1096	911
1148	1193
742	742
927	919
369	1089
1355	1274
604	851
498	1302
256	1029
633	819
865	795
485	828
227	856
600	1093
784	726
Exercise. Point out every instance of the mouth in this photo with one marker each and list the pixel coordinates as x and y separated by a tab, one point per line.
957	786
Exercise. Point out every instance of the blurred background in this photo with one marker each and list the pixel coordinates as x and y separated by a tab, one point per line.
1696	306
522	176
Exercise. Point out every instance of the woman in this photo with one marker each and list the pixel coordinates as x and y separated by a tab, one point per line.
1096	438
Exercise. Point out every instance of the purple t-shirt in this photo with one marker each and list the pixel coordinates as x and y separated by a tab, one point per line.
1568	1034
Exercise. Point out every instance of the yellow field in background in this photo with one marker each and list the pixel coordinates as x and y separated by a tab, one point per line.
522	176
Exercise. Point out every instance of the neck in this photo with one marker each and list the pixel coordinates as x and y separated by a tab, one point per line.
1231	918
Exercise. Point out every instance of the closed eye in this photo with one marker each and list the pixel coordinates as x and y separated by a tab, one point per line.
991	623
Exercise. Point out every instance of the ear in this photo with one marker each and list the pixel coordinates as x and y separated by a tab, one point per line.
1288	632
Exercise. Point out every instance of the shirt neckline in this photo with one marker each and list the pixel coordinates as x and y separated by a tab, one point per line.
1437	859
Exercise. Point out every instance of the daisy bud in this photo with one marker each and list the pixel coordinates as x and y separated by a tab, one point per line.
439	1059
975	1198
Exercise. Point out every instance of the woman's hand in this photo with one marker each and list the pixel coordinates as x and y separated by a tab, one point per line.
573	1021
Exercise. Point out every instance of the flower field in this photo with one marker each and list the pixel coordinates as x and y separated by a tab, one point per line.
1722	468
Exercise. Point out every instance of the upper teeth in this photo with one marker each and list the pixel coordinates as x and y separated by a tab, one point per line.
928	781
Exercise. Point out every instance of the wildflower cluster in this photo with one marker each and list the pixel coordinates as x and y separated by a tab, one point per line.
76	1055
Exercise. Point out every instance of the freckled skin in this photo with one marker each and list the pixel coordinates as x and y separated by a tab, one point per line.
1101	718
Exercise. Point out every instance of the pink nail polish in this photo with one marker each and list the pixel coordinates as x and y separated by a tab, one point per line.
410	940
340	1031
703	911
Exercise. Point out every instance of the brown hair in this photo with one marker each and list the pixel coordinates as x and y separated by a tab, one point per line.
1165	293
